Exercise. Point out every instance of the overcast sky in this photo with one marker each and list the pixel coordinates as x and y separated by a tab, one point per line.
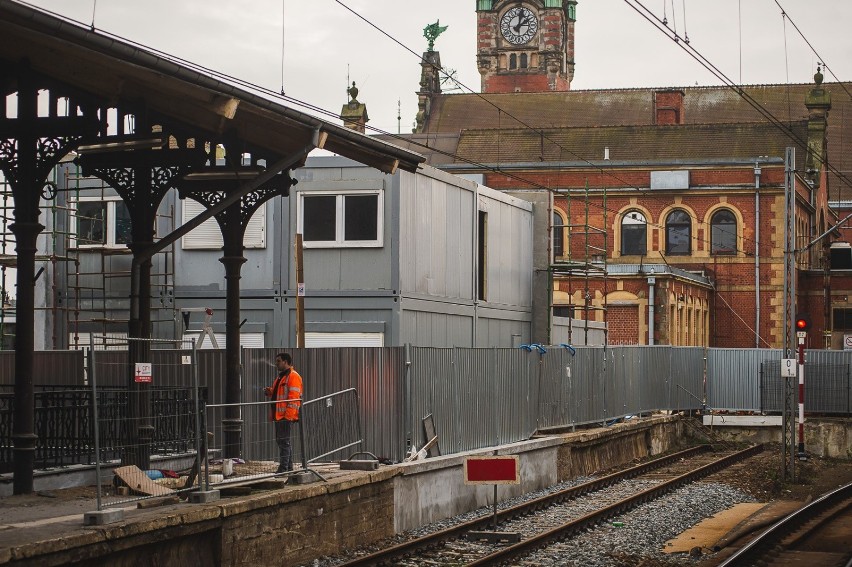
324	43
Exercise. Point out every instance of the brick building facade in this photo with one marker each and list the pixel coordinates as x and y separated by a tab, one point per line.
525	47
677	195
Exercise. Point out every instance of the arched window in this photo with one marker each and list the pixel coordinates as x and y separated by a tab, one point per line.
678	233
634	234
523	60
513	61
558	236
723	232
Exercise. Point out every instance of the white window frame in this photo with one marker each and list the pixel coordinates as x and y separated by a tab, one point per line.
208	236
340	217
315	339
247	340
110	224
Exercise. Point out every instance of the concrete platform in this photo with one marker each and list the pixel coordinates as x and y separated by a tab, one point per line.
293	524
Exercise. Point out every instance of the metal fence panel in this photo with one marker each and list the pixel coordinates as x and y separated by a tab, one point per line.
588	383
432	372
555	393
826	384
835	391
50	368
687	378
155	417
733	377
621	381
474	372
518	374
375	373
655	375
464	418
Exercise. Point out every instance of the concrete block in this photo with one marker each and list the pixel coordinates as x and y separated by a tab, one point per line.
101	517
359	465
742	420
303	478
204	496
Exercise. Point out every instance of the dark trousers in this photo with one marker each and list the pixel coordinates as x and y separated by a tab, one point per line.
284	436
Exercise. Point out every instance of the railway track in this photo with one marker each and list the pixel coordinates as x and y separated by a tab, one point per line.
558	515
817	535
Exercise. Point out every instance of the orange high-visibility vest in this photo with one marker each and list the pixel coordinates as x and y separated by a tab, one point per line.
287	393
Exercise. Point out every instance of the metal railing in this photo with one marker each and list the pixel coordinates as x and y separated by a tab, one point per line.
476	397
328	427
149	431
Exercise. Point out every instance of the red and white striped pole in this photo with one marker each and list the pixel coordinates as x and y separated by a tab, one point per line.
801	338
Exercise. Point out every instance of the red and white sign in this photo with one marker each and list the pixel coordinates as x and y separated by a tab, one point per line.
143	373
492	470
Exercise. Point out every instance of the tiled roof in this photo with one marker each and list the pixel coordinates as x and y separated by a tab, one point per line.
619	107
473	114
629	143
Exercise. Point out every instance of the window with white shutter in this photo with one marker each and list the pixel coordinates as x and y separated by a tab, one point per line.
207	236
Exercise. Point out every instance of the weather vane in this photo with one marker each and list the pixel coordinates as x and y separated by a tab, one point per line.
432	31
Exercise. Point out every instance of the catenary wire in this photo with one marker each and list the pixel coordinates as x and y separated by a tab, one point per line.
273	94
820	58
643	11
500	111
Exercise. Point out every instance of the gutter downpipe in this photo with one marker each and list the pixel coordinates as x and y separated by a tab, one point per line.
651	301
406	418
757	254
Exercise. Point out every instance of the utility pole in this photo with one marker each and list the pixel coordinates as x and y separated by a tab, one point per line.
789	336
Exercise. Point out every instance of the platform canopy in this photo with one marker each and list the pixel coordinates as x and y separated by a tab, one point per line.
109	68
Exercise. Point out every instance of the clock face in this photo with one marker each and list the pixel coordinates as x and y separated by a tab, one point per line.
518	25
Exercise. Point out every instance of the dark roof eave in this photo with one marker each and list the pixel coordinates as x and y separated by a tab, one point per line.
382	155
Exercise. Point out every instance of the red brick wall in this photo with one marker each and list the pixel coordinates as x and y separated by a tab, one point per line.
669	107
623	323
520	82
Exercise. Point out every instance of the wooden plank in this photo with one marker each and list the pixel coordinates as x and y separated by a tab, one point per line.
136	479
429	429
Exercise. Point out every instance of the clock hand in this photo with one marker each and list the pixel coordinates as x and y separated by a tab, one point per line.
525	21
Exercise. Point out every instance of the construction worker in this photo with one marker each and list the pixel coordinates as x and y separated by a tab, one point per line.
286	391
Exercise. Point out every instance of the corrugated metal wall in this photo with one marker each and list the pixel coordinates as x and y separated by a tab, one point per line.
487	396
828	385
50	368
449	384
376	373
733	377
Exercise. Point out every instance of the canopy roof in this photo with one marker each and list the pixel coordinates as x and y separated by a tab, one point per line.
112	69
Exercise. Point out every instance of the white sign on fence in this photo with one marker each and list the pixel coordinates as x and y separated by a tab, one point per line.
847	342
143	372
788	367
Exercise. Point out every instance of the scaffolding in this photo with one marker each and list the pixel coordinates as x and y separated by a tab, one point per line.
8	261
85	263
583	266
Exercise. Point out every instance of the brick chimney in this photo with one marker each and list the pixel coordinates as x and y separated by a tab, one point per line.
354	113
668	107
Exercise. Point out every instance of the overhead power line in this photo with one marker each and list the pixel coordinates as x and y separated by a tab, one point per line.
643	11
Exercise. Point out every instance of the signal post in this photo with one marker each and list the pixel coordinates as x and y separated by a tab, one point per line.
803	325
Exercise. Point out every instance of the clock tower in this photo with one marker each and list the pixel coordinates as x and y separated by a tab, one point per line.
525	46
